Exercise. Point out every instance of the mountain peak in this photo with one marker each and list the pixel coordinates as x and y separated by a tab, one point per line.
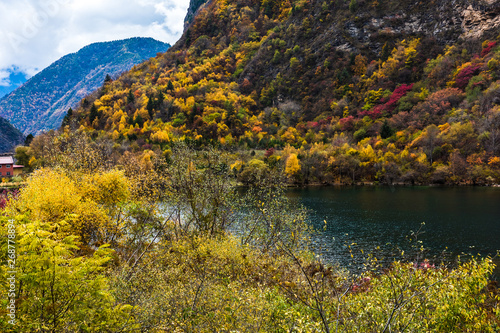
194	5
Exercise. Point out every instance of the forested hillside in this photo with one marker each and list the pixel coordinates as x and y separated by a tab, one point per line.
357	91
42	102
132	219
9	136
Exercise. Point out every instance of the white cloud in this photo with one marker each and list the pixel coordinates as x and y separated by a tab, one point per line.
4	78
35	33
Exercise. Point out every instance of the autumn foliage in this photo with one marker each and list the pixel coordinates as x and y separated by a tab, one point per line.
169	243
211	90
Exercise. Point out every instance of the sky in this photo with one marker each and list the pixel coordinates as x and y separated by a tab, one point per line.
35	33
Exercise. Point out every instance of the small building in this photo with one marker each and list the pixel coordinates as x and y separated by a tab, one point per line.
18	170
8	168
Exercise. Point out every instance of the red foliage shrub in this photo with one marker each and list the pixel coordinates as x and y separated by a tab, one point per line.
312	124
464	76
396	96
347	123
269	152
488	48
5	196
301	127
374	113
404	120
389	105
246	86
437	105
449	96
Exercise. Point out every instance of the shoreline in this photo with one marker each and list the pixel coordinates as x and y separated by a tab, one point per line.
374	184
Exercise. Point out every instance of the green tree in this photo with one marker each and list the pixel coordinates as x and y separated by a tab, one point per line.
170	86
130	97
139	121
353	5
67	117
93	113
23	155
253	172
386	130
28	139
58	291
150	107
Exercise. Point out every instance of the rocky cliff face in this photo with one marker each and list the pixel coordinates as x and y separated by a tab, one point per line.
479	18
447	21
194	5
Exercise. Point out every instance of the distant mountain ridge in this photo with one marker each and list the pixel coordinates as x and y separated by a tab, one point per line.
42	102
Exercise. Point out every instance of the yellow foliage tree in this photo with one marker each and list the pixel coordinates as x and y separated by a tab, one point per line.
85	204
359	67
292	166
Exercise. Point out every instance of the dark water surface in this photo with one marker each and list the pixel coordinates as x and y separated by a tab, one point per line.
457	220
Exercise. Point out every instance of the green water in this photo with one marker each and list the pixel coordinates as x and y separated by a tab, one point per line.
457	220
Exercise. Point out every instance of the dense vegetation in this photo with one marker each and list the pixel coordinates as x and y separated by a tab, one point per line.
132	219
42	102
169	244
383	105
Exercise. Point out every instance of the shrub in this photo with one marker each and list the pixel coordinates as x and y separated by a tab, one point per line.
396	96
360	134
61	291
294	62
347	124
463	77
487	48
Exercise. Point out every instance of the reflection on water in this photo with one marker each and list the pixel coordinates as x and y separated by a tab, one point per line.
457	220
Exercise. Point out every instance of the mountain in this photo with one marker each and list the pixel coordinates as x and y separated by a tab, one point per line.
42	102
9	136
395	90
14	79
194	6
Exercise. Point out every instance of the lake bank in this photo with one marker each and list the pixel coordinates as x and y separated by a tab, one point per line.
399	184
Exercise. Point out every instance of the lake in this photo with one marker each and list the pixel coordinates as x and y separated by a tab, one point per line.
457	220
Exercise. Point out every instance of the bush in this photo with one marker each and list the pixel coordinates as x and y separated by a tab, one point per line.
188	251
463	77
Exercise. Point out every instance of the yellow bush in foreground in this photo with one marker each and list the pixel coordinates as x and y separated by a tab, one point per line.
92	257
87	202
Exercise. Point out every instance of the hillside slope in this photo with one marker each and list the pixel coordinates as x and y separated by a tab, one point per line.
194	6
367	78
42	102
9	136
